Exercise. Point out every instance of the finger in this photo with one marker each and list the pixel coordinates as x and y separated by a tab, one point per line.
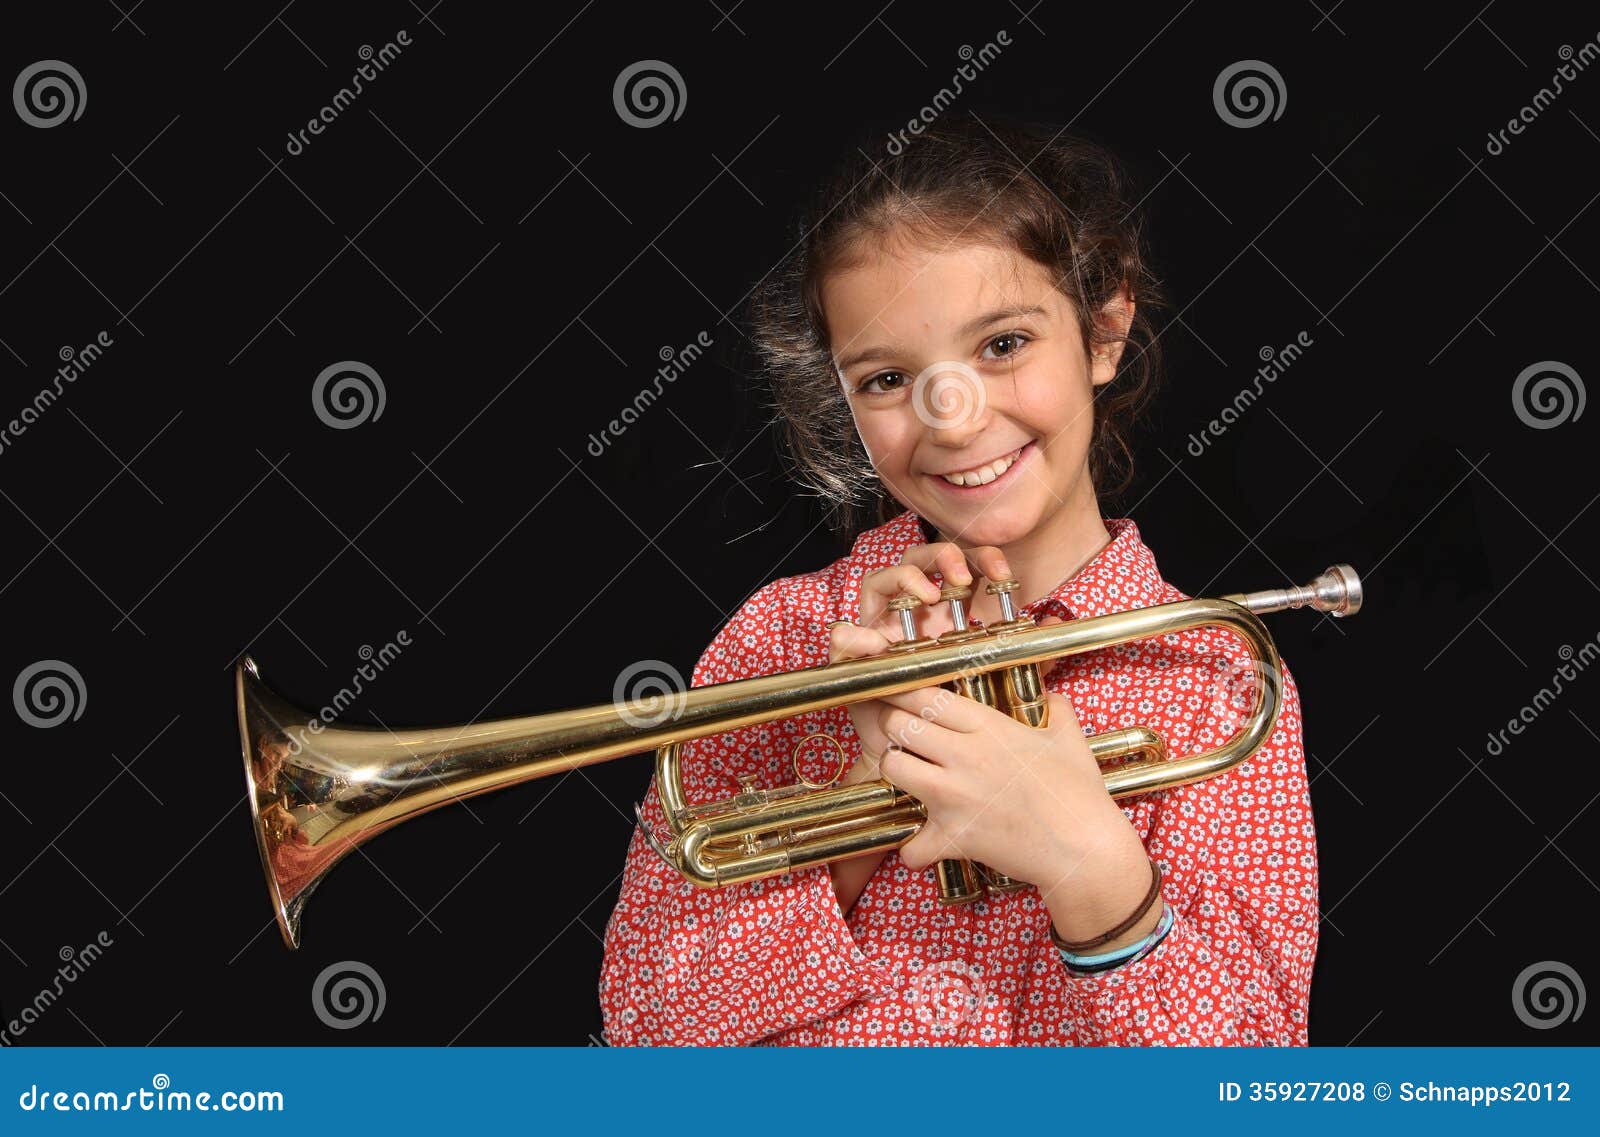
865	768
943	557
948	709
879	587
929	740
864	717
928	846
991	562
906	771
847	641
1060	714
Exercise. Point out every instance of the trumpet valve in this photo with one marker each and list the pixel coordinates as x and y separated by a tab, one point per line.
962	631
902	606
958	882
1002	590
1010	619
956	595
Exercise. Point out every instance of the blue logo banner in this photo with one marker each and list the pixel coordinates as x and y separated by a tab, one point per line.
604	1090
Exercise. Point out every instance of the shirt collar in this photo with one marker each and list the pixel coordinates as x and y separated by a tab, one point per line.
1122	576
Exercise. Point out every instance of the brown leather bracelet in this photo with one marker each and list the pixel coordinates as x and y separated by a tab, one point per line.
1144	906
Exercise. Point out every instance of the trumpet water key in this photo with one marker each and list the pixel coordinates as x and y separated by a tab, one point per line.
317	792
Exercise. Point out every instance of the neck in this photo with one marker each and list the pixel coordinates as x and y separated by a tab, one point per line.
1058	548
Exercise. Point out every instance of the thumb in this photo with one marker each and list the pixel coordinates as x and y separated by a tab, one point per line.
926	847
1061	715
847	641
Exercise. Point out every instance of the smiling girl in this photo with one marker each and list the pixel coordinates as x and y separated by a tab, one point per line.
958	345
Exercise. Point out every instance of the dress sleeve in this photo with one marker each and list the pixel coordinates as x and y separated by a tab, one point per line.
693	966
1239	856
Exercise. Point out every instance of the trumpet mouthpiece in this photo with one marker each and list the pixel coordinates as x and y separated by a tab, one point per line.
1337	591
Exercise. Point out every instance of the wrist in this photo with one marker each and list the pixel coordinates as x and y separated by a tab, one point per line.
1102	960
1141	930
1102	888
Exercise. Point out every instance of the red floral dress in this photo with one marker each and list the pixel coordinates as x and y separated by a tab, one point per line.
776	962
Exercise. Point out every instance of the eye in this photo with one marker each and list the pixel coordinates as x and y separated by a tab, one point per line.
1004	345
885	382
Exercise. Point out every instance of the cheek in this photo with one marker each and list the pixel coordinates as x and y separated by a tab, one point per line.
887	437
1056	402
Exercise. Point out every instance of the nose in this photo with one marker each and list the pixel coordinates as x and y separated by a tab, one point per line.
952	402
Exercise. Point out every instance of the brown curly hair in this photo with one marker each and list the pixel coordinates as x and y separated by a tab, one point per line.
1062	201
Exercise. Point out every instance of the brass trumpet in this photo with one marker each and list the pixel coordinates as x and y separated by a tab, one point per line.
317	792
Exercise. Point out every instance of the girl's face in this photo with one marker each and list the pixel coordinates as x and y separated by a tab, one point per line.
970	385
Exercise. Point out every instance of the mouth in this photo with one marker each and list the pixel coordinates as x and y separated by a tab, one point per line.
985	478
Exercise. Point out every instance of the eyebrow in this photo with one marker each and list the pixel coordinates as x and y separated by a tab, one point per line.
971	327
1013	312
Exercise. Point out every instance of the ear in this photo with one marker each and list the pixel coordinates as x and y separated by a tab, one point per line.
1115	318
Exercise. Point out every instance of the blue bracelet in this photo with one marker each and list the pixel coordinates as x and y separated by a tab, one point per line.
1106	960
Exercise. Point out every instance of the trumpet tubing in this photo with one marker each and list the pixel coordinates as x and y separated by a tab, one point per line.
318	792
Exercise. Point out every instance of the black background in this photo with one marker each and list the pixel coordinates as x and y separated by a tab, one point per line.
182	503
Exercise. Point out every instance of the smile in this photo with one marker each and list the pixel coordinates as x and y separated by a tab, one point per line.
987	473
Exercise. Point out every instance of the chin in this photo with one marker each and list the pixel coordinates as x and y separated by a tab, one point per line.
999	525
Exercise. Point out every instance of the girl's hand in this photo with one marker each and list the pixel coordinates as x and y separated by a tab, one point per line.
914	574
851	874
1026	801
872	637
878	627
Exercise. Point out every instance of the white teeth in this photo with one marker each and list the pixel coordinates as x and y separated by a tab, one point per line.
983	475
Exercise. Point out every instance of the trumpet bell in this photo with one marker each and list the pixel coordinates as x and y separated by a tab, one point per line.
295	808
260	735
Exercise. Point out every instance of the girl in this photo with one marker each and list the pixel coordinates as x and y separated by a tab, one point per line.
960	342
